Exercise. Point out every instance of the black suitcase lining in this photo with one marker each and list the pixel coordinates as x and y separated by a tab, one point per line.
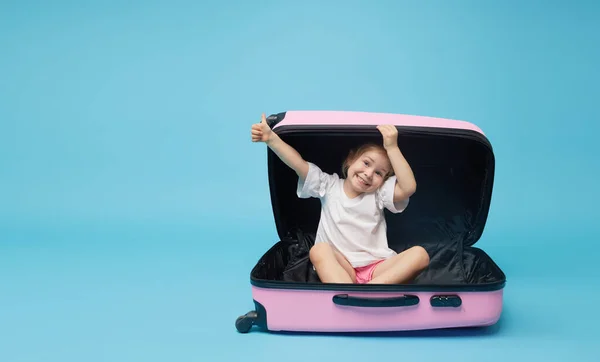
287	264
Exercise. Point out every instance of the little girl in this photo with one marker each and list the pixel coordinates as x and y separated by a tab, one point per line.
351	243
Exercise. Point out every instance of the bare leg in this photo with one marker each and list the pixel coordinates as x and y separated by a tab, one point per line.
402	267
330	265
345	264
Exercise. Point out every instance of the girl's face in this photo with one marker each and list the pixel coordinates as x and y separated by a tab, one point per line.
368	172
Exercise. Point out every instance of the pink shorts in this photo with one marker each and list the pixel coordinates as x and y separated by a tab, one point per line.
364	274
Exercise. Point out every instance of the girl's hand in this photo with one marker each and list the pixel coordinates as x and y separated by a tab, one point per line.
261	132
390	136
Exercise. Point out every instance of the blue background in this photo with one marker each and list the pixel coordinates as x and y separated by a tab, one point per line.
133	204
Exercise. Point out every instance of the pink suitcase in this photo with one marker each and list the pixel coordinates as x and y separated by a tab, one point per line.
453	163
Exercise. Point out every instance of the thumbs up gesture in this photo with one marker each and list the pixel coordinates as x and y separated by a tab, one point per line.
261	132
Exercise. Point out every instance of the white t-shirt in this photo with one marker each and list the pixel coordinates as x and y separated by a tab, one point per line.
355	227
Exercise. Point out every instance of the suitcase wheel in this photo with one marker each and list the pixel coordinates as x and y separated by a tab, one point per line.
244	323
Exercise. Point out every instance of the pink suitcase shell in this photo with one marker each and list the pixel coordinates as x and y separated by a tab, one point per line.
453	163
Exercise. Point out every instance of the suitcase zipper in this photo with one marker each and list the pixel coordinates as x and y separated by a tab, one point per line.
353	129
437	288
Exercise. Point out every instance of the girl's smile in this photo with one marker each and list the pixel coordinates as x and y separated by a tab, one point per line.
367	173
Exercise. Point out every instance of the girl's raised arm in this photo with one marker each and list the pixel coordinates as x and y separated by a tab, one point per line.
261	132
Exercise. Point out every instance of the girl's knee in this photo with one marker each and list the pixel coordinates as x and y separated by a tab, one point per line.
420	256
319	252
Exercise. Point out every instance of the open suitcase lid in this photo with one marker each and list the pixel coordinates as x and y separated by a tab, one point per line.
453	163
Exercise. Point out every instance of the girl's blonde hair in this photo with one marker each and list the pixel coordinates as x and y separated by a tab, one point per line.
354	154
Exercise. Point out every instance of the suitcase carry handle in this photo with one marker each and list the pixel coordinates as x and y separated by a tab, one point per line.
404	301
